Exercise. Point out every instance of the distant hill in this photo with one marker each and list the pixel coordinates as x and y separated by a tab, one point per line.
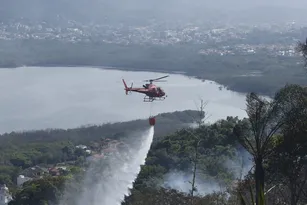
166	123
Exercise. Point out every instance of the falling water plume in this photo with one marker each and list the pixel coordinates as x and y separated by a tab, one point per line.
107	182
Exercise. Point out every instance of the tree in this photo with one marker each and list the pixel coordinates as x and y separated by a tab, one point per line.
302	48
254	137
202	114
264	120
39	191
195	162
195	159
288	166
68	150
288	161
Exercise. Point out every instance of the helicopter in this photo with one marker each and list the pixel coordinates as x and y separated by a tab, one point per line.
151	91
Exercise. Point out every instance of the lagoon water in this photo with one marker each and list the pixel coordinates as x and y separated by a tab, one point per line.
68	97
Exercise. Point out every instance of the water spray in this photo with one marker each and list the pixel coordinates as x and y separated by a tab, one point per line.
108	182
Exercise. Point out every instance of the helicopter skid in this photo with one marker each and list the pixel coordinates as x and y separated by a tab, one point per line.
151	99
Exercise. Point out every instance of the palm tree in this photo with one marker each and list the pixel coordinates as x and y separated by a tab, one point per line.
266	118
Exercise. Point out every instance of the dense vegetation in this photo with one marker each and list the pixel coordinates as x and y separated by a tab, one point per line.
177	151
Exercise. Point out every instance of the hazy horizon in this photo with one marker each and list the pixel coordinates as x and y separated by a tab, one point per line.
110	10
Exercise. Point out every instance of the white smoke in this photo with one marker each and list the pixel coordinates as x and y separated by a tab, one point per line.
241	165
109	181
181	181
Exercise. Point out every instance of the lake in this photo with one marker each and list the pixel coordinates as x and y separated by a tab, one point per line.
68	97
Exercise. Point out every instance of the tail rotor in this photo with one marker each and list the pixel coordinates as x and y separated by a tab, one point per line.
126	87
130	88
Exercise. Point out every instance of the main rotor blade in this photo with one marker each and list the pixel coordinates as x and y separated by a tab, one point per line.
156	79
161	77
160	80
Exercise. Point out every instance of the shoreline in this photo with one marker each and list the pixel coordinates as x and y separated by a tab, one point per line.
112	123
